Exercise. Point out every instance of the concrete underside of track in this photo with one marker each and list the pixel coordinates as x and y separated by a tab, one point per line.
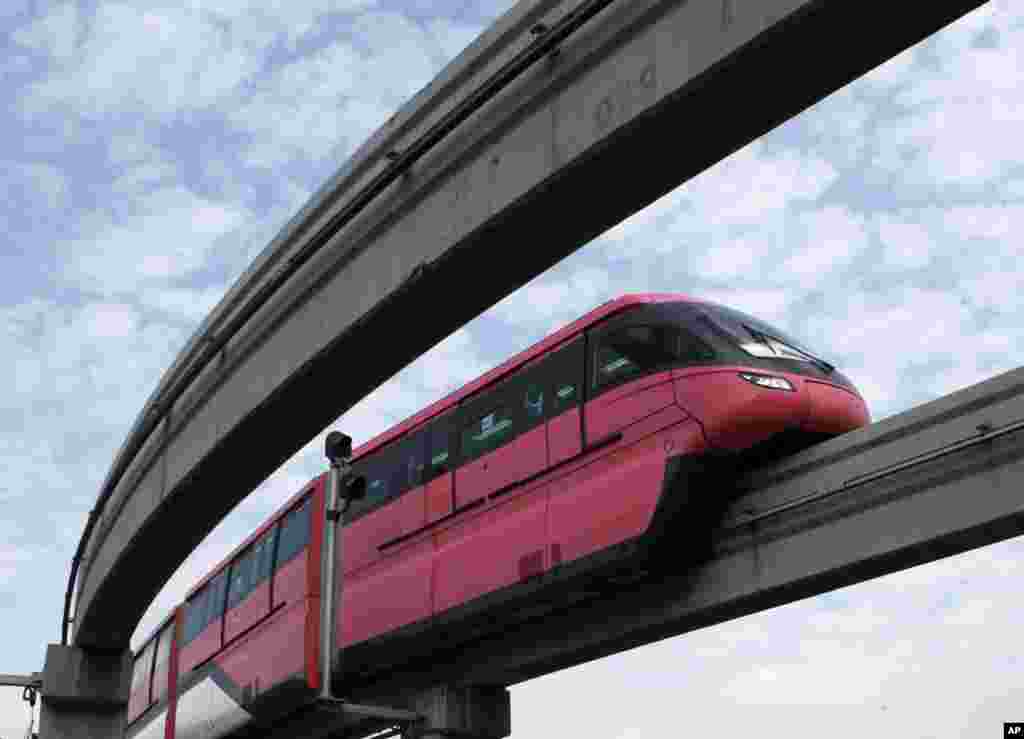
929	483
643	97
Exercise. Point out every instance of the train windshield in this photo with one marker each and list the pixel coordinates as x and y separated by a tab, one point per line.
758	339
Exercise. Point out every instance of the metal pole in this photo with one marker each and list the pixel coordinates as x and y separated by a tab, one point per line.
331	553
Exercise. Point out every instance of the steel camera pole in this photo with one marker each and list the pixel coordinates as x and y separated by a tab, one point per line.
341	487
338	449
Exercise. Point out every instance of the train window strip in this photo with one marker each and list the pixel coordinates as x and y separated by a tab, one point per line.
602	442
513	405
518	403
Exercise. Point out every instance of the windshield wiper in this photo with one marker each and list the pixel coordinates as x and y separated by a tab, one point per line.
766	339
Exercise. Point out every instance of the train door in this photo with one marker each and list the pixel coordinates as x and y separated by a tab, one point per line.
629	392
142	670
286	646
387	578
503	443
438	476
564	370
153	671
203	632
249	587
291	570
162	662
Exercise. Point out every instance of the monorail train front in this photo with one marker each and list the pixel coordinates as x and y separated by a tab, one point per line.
755	393
752	387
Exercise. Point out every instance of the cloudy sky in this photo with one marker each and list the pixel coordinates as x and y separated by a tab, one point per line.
152	149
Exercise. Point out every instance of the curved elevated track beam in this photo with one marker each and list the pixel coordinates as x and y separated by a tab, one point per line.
656	89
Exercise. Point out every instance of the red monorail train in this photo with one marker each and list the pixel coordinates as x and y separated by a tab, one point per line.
574	457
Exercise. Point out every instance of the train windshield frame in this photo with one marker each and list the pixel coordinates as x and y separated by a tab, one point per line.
759	339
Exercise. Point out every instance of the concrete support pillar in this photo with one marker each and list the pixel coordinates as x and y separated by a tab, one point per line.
467	712
84	695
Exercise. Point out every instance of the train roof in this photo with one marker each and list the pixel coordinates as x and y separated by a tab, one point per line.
510	365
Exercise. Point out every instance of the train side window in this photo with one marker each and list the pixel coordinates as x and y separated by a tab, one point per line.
438	449
250	569
294	536
632	351
142	667
491	429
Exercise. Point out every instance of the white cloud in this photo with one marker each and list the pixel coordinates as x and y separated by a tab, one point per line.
552	300
742	199
334	98
833	236
303	107
109	320
907	244
56	33
50	181
895	71
452	37
770	304
130	147
750	184
11	560
191	304
196	61
453	362
144	176
962	120
985	222
170	235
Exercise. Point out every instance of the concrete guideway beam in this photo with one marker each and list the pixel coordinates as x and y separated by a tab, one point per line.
542	163
929	483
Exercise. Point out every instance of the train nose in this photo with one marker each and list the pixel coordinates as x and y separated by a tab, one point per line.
739	409
833	409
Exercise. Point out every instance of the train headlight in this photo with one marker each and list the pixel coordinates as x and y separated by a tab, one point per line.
776	383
